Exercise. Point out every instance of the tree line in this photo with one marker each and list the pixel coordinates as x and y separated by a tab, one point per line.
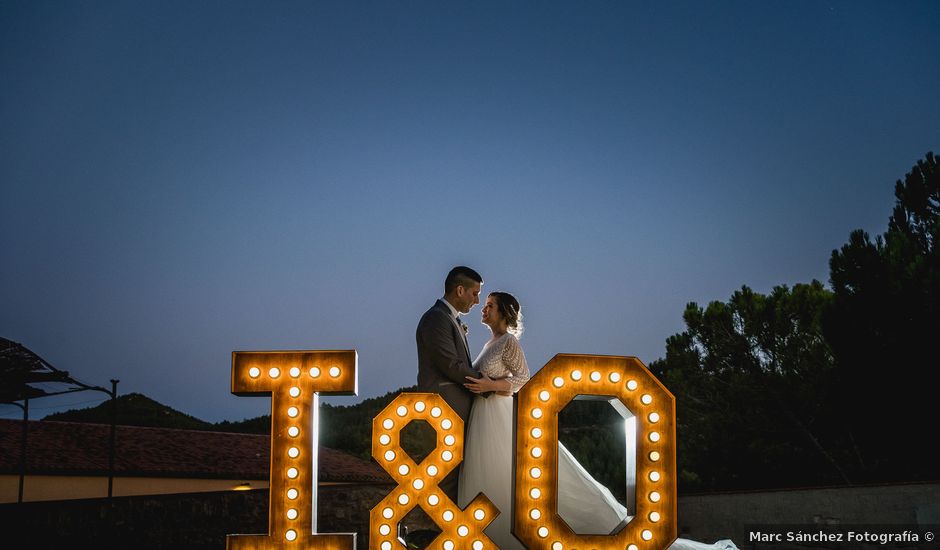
812	385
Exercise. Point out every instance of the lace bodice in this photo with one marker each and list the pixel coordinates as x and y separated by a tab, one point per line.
504	358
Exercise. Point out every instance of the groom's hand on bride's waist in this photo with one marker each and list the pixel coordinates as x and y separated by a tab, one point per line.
480	384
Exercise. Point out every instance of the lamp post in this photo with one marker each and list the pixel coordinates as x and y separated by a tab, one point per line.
112	442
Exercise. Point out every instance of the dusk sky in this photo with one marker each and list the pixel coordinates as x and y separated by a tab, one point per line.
181	180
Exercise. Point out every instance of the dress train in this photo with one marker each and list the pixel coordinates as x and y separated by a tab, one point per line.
586	505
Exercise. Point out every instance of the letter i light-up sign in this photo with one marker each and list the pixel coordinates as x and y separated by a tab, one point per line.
294	380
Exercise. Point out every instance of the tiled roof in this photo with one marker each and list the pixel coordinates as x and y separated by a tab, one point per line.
72	448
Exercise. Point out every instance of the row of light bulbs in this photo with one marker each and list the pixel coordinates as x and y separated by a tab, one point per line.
293	412
275	372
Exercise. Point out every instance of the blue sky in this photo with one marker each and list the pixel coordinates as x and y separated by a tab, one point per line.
185	179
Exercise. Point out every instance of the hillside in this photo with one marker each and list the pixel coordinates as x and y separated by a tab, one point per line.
587	429
133	409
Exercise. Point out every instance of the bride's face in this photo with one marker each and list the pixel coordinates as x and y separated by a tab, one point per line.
490	312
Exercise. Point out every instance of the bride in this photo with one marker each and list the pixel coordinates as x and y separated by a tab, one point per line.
587	506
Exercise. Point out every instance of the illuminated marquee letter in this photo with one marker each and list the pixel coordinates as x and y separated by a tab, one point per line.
294	380
536	521
417	483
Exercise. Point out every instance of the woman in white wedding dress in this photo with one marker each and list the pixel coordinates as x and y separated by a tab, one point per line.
586	505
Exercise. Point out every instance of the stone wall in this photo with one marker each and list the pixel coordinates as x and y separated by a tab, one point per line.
192	521
735	516
200	521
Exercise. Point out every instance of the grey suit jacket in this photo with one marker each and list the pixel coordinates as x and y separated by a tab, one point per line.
443	359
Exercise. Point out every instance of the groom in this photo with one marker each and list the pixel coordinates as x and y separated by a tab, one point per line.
443	353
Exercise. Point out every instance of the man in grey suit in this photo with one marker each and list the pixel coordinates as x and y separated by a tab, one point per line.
443	353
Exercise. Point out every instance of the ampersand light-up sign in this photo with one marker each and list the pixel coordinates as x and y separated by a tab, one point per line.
294	380
418	483
536	520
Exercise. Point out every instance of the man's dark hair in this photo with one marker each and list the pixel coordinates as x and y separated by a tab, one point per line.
461	276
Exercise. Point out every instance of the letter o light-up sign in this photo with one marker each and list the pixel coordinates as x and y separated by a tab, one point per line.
294	379
536	521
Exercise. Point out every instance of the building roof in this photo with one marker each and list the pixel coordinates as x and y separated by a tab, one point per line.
73	448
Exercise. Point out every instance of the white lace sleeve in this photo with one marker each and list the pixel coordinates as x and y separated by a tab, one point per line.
514	360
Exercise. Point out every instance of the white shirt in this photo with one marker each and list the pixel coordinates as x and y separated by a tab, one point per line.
456	318
453	310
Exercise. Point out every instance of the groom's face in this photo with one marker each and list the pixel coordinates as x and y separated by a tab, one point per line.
467	297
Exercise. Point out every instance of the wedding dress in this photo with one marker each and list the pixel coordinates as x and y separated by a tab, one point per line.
586	505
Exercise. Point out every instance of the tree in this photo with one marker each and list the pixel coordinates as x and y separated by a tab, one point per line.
752	378
883	325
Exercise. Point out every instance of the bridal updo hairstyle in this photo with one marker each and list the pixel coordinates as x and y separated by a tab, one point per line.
510	310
